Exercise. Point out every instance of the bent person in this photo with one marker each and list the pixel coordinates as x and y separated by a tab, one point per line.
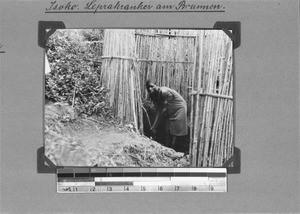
170	106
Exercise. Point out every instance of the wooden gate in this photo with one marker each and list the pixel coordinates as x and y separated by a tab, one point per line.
167	58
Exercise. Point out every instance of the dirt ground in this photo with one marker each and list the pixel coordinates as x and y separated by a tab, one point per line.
72	140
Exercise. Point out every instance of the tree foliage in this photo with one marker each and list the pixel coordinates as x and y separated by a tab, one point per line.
74	77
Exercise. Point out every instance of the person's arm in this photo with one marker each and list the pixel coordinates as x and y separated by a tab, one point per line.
161	110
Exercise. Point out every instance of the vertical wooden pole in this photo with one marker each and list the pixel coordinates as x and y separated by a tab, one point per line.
197	113
192	143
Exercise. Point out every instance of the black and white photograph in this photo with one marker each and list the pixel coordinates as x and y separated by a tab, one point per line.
139	98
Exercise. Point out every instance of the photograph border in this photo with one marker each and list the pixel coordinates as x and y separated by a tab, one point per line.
232	29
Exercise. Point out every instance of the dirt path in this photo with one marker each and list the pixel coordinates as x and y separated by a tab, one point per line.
90	142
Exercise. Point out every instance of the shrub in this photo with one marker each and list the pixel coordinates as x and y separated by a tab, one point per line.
73	78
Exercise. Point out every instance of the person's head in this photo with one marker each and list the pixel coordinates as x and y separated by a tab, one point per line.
151	87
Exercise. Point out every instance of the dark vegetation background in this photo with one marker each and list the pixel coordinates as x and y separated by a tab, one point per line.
75	71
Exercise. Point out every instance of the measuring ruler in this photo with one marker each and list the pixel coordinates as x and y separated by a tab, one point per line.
105	180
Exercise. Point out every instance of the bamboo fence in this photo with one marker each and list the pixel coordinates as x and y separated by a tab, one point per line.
119	74
212	101
170	55
196	63
130	57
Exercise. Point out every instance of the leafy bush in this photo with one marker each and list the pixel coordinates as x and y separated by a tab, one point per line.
74	78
